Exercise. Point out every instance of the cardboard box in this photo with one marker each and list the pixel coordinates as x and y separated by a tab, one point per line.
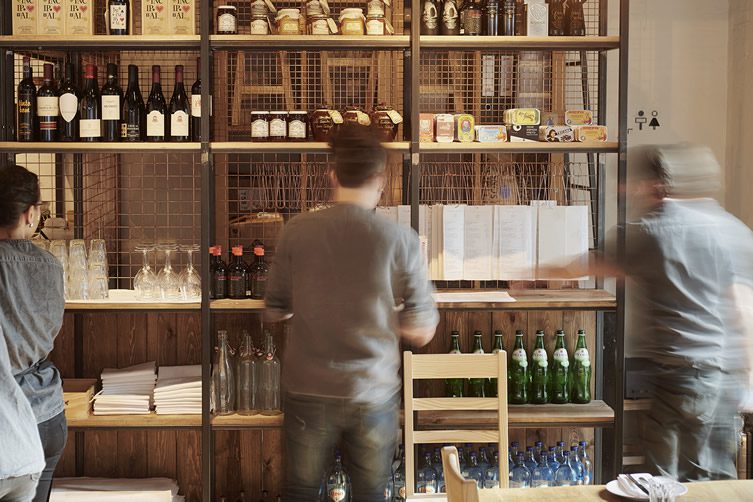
77	395
556	134
523	133
522	117
25	17
182	17
595	133
155	17
79	18
538	18
51	19
579	117
444	128
491	133
464	127
426	128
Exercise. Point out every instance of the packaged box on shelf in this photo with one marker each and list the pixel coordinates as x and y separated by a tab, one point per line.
522	133
464	127
491	133
522	117
77	395
24	17
579	117
444	128
538	18
79	17
591	133
182	17
51	19
426	127
155	17
557	134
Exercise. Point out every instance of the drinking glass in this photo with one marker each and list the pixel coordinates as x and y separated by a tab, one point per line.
59	249
98	252
190	281
78	274
77	254
167	278
41	244
98	284
145	283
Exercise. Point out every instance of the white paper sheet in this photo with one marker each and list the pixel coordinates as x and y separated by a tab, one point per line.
473	296
514	242
477	243
562	236
403	216
453	242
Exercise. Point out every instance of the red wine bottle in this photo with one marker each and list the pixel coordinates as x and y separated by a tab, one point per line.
119	18
179	118
68	96
196	104
157	128
90	124
133	125
27	105
47	107
112	98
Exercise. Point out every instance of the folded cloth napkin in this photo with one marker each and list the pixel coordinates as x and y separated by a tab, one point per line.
627	486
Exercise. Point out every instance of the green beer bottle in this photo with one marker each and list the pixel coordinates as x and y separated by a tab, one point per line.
518	380
539	372
477	386
454	386
559	372
581	372
491	390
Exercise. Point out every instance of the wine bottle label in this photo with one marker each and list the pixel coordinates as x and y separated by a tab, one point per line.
90	128
519	356
337	494
155	124
539	357
560	356
581	355
110	107
260	129
277	128
196	105
118	17
427	489
179	123
24	105
297	129
47	106
68	104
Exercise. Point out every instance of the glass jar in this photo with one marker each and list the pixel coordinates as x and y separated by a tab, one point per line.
352	22
278	126
375	24
317	24
324	123
227	20
355	115
259	24
385	120
259	126
298	124
288	22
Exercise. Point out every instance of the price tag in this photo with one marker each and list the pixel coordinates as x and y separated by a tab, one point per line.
395	117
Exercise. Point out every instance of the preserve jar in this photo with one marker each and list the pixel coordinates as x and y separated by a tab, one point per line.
324	123
259	126
352	22
385	121
355	115
375	24
288	22
318	24
227	20
298	124
259	24
278	126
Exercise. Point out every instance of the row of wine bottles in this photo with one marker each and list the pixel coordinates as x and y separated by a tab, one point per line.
65	112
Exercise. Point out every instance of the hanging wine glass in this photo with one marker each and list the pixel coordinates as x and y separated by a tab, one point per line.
145	282
167	278
190	280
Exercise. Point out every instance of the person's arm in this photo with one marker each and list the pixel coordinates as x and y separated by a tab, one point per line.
278	304
419	317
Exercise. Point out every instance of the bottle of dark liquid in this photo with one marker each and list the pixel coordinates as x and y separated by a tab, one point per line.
576	21
157	128
556	18
236	275
212	268
196	104
112	98
27	105
509	17
179	118
47	107
90	126
450	22
491	18
219	277
133	116
258	270
120	17
472	19
68	96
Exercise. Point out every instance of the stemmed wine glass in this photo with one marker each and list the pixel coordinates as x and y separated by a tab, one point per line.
169	283
145	283
190	281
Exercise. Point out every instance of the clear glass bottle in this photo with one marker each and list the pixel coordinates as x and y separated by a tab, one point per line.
426	477
529	459
247	377
491	477
564	475
398	479
222	377
576	465
336	483
588	466
436	462
483	459
553	463
520	476
542	476
538	447
474	471
558	452
269	379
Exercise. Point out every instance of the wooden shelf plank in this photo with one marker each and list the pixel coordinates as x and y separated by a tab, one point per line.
135	422
309	42
541	43
241	421
522	147
236	304
543	299
139	306
288	147
637	404
99	147
126	42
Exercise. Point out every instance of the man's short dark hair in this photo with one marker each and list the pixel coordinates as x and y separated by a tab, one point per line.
19	190
359	156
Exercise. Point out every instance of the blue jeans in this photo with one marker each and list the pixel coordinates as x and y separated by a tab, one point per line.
54	434
315	425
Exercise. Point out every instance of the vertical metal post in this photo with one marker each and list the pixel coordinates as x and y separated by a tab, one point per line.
415	67
7	118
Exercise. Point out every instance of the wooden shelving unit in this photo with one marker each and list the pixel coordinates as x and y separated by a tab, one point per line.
522	147
236	305
308	42
589	43
242	421
97	147
100	42
289	147
152	420
125	306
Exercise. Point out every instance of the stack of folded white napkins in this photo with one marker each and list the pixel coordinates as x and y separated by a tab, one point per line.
115	490
178	390
126	391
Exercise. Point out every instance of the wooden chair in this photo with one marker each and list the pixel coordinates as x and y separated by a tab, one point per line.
441	366
458	488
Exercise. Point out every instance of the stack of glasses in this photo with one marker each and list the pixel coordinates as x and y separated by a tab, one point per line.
178	390
85	277
126	391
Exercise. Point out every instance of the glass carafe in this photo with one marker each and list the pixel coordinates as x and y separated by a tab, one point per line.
223	382
269	380
247	377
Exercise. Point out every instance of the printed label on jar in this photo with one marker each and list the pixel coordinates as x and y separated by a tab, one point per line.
90	128
260	129
110	107
375	27
226	23
519	356
277	128
363	118
395	117
47	106
320	27
581	355
539	357
179	124
259	27
560	355
155	124
68	106
297	129
118	17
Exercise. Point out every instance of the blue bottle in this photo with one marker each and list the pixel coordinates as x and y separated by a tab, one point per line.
491	477
474	471
426	477
542	475
436	463
558	451
463	462
564	475
529	459
588	466
553	464
520	476
575	464
538	447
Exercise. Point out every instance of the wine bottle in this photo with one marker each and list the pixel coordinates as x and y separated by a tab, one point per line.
120	17
47	107
156	110
90	126
196	104
179	109
112	97
68	96
27	104
133	125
